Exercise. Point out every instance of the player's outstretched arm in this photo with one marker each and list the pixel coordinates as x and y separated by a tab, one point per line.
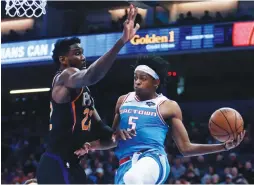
187	148
105	144
101	66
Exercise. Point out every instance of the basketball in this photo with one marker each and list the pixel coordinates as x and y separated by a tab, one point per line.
225	124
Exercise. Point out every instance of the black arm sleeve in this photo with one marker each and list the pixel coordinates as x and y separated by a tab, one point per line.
102	131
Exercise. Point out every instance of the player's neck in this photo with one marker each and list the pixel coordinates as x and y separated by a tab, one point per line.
145	97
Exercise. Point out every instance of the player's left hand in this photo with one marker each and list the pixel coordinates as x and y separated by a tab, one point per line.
84	150
124	134
129	31
234	143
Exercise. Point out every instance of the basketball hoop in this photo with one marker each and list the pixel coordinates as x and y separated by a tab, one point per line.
28	8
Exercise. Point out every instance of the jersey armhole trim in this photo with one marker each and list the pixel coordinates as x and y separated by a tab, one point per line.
124	100
159	114
73	107
136	98
81	91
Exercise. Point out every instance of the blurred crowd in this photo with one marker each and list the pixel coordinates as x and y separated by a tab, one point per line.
21	153
208	17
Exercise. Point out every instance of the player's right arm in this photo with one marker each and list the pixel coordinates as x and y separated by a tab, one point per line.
74	78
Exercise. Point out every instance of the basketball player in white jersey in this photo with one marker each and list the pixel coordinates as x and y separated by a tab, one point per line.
143	159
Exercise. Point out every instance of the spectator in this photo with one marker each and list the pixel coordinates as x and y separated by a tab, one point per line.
190	166
189	19
191	177
181	19
211	170
13	36
218	17
178	169
225	173
219	163
234	173
100	176
215	179
228	179
240	167
249	172
207	179
206	17
201	165
232	162
241	180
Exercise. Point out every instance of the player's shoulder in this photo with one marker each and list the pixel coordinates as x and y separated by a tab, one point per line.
65	74
70	71
171	104
122	98
120	101
171	109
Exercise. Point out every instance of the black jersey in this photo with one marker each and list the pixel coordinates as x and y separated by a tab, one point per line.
71	122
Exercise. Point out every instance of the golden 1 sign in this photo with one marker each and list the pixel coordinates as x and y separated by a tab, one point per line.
154	39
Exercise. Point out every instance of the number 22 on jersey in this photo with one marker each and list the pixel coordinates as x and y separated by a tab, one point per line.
132	123
86	122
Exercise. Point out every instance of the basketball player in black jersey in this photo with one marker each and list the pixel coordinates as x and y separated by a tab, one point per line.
74	120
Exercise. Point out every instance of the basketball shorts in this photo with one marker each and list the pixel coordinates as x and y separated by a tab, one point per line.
149	167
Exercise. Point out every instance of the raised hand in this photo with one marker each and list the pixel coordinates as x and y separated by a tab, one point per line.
129	31
234	143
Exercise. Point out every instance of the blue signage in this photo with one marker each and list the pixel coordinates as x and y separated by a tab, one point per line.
186	38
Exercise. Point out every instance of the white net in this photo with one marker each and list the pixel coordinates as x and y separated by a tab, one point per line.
28	8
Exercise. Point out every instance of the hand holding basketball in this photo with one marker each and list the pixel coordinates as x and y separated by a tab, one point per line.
234	143
129	31
226	125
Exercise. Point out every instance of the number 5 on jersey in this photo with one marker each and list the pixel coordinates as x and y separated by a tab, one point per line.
132	123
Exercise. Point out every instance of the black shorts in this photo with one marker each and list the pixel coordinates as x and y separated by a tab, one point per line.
53	170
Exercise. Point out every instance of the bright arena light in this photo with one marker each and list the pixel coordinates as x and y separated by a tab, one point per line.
21	91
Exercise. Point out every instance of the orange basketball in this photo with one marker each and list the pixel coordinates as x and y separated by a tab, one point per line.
225	124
